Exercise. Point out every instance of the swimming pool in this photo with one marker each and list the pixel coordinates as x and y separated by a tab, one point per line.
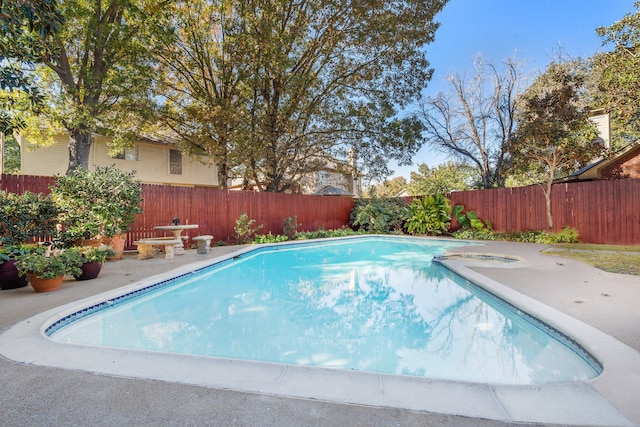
375	304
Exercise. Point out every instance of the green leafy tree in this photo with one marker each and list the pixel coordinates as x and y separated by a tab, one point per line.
392	187
441	179
617	76
201	70
326	82
95	66
22	25
555	135
11	155
474	121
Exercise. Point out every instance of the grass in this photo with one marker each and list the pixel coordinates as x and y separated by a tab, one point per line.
611	258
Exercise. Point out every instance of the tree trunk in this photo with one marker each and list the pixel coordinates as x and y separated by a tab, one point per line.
79	146
223	176
547	198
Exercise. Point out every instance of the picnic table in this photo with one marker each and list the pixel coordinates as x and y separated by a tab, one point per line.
177	230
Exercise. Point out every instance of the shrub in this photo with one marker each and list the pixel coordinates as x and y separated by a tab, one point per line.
429	215
244	231
99	203
473	234
323	234
49	267
269	238
91	253
25	217
469	219
378	215
290	227
567	235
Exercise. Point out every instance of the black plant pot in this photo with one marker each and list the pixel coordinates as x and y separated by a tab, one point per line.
9	278
90	270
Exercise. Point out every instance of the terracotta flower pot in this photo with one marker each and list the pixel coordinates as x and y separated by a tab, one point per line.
94	243
9	278
90	270
44	285
117	244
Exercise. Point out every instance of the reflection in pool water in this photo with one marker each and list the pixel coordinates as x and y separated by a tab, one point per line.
372	304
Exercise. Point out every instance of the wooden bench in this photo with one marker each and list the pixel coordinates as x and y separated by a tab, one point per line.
204	244
147	247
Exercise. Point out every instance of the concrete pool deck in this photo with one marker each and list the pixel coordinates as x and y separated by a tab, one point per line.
106	392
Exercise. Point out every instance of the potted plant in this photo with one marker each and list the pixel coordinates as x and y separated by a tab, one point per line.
9	276
90	259
24	218
45	273
98	204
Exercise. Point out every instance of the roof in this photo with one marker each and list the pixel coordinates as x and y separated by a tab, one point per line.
332	191
602	163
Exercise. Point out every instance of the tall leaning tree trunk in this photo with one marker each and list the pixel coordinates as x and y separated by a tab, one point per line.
79	147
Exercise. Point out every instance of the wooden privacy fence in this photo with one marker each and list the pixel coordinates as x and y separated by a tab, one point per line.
603	211
606	211
215	211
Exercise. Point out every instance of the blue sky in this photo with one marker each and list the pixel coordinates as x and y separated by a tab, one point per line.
533	29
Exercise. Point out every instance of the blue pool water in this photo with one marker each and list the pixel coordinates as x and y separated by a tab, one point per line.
371	304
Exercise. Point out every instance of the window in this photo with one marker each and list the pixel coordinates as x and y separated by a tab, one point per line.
323	177
128	154
175	162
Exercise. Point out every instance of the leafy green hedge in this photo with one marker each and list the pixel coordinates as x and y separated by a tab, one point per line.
567	235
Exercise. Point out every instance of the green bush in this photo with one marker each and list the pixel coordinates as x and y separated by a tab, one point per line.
469	219
290	227
49	267
244	231
429	215
378	215
269	238
323	234
473	234
25	217
567	235
99	203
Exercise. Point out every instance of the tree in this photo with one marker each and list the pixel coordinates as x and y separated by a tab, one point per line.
392	187
618	77
441	179
293	86
22	23
555	135
476	120
11	156
95	67
202	67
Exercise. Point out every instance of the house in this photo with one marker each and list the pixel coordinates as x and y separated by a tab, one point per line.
624	163
331	181
155	162
333	178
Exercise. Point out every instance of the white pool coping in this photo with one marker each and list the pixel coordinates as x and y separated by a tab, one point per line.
599	402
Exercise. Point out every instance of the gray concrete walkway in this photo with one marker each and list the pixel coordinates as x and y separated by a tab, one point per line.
37	395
